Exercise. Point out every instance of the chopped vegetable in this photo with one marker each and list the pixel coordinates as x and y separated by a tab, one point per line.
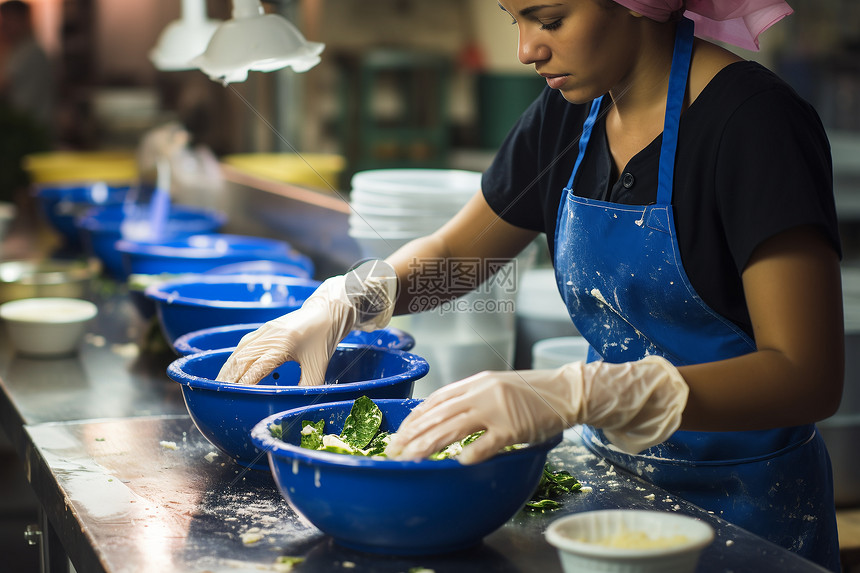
251	536
286	563
312	433
276	431
362	424
454	450
361	435
553	485
377	445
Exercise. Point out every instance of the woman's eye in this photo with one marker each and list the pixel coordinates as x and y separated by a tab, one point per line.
550	25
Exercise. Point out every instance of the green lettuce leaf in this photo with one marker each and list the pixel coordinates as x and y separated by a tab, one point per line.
453	450
312	434
362	424
376	447
276	431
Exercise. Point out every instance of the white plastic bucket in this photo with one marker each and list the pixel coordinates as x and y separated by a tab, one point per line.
556	352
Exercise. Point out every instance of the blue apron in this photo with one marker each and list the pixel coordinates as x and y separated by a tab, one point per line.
619	270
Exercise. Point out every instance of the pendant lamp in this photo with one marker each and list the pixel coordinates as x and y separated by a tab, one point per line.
184	39
254	40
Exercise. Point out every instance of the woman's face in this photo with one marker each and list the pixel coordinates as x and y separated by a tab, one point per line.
583	48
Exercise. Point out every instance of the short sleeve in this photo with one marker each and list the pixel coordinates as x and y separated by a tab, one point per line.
505	183
773	173
523	184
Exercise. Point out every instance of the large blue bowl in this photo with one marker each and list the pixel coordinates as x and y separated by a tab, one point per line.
387	506
100	230
202	253
230	335
195	302
226	413
63	204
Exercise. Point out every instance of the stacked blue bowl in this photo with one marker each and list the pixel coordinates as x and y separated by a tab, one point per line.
101	229
195	302
205	252
225	413
63	204
229	336
386	506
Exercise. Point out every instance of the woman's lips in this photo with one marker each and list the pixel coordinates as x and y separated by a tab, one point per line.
555	82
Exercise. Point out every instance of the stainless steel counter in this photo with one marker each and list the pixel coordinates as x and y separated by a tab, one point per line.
111	377
141	495
97	434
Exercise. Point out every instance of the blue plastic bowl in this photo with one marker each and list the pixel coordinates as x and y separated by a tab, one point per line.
303	269
226	413
202	253
62	205
387	506
195	302
100	230
230	335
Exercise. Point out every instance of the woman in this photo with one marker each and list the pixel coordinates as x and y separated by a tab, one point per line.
687	198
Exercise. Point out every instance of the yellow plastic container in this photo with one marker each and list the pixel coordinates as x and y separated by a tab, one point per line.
81	167
315	170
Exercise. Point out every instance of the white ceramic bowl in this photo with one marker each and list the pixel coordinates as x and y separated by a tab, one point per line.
47	326
629	541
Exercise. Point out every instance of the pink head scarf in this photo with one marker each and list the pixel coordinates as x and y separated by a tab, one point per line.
736	22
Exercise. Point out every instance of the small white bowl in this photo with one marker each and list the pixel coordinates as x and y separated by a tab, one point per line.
629	541
49	326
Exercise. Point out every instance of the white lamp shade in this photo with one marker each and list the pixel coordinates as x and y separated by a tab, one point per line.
184	39
255	41
180	42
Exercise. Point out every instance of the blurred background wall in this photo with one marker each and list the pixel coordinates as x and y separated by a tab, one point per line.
449	63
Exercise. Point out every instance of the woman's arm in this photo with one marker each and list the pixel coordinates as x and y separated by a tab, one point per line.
476	232
793	291
794	295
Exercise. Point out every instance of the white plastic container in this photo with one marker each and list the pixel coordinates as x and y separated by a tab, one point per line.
396	204
556	352
460	341
629	541
541	313
423	182
47	326
377	246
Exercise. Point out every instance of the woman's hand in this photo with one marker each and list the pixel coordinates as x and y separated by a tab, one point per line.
361	299
308	335
638	404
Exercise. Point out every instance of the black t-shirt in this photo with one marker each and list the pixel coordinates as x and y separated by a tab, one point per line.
752	160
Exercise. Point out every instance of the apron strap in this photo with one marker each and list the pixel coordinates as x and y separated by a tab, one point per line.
584	138
674	105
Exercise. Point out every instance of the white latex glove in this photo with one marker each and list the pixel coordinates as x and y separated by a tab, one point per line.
362	299
162	142
637	404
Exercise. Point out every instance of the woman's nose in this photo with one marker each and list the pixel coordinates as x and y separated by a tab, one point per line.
530	49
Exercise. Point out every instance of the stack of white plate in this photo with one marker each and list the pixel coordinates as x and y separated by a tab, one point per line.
390	207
